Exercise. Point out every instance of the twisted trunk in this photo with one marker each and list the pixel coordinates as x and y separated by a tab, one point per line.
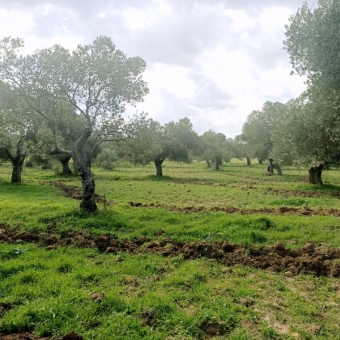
218	162
83	163
315	173
17	163
278	168
65	164
270	167
248	161
159	169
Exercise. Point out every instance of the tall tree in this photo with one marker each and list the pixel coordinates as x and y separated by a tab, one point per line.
313	42
307	137
97	80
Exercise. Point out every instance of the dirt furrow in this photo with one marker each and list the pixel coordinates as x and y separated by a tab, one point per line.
309	259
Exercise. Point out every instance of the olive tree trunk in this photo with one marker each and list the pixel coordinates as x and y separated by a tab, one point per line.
159	168
208	163
270	167
83	163
65	164
218	162
278	168
17	163
248	160
315	173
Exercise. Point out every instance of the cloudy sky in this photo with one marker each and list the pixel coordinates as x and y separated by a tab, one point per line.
213	61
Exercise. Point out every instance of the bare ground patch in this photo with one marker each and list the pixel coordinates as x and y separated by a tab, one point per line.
230	210
27	336
308	259
72	191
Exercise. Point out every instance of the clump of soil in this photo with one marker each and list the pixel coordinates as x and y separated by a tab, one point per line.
27	336
214	327
308	259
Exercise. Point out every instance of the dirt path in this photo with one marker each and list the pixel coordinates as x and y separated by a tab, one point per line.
309	259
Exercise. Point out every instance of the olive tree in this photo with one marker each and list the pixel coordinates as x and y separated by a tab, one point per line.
313	44
257	131
154	142
97	80
215	148
18	127
309	133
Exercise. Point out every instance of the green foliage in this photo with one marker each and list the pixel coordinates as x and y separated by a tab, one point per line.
153	142
107	157
257	131
215	147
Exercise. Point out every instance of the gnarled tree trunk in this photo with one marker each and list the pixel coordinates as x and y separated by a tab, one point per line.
88	202
17	163
248	161
270	167
64	160
208	163
278	168
159	169
83	163
315	173
218	162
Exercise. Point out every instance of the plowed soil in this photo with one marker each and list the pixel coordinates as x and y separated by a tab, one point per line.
230	210
309	259
27	336
72	191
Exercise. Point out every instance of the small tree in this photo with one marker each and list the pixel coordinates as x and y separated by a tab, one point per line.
154	142
18	126
215	148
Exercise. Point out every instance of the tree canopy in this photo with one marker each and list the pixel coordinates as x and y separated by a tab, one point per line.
97	80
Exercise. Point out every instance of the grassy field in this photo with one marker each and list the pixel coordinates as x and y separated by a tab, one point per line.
197	254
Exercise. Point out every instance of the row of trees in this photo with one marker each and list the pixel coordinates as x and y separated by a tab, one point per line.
68	103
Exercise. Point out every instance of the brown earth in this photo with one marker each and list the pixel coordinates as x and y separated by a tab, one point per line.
301	193
230	210
72	191
27	336
309	259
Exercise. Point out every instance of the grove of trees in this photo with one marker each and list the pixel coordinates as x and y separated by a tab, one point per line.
66	104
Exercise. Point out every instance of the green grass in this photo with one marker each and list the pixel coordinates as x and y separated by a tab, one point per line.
152	297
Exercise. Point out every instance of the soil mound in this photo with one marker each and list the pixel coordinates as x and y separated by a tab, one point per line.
308	259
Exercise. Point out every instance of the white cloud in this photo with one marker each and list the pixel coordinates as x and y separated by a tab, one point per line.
240	19
212	62
15	23
136	18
